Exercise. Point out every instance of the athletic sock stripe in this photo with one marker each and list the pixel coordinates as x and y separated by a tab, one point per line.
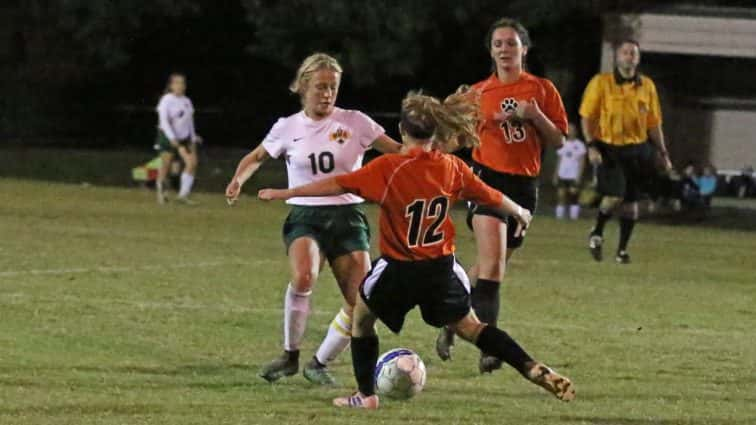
337	327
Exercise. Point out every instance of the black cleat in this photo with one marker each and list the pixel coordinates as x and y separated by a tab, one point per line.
488	364
595	242
445	343
287	364
622	257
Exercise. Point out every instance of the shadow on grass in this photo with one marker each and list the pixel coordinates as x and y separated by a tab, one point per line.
650	421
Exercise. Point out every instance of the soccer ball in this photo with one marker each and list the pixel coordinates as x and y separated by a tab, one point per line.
399	374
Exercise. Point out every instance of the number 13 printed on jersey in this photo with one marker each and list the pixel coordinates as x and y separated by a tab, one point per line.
514	131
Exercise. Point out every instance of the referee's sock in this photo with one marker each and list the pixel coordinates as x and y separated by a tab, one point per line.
499	344
364	358
485	301
626	230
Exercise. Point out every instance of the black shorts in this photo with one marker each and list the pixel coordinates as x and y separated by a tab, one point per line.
521	189
440	287
569	184
626	171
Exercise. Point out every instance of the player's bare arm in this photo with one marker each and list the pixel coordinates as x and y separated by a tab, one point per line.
327	187
589	127
247	167
385	144
656	135
550	134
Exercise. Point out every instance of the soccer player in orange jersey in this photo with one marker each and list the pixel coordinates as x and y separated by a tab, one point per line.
415	190
521	114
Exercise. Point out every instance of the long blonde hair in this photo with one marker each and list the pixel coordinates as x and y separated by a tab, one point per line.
451	124
313	63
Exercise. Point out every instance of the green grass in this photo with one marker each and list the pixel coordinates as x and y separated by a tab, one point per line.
116	311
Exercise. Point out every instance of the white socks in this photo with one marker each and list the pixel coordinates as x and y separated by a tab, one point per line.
560	211
337	340
296	310
575	211
187	180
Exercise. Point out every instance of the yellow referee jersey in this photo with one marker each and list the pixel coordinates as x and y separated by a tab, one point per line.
624	110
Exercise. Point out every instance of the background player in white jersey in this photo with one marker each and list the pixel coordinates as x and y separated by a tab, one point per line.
319	142
568	173
176	136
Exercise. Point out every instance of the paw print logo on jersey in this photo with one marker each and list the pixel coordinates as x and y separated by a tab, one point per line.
340	136
509	105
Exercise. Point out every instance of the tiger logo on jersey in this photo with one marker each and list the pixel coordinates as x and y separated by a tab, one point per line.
340	136
509	105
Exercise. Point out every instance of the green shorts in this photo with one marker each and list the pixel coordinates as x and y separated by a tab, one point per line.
338	229
163	144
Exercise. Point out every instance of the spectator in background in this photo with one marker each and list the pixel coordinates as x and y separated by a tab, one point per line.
690	193
568	173
707	183
743	184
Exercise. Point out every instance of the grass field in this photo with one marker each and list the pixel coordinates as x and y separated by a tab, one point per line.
116	311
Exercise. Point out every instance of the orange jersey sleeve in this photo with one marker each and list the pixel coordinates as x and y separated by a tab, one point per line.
509	146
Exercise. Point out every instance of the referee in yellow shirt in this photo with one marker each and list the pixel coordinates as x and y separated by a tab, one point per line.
620	115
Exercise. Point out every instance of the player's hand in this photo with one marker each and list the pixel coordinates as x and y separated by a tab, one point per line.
523	217
198	139
665	161
594	156
232	191
273	194
527	110
174	143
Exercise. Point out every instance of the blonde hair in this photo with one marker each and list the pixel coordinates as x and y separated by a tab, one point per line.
451	124
313	63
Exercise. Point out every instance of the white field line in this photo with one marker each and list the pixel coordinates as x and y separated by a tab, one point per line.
127	269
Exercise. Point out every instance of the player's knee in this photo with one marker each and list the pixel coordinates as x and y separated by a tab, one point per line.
468	328
609	203
304	280
492	268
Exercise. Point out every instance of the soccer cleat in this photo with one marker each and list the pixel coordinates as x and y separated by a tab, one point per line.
556	384
284	365
622	257
595	243
445	343
487	364
185	200
357	401
318	373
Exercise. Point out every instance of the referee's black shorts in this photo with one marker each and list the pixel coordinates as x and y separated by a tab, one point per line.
521	189
439	287
626	171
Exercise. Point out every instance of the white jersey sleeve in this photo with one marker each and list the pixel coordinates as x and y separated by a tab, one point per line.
369	129
164	122
275	142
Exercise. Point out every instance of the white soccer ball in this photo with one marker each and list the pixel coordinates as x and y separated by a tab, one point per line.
399	374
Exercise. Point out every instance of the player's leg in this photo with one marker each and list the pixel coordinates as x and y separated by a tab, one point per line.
628	217
637	166
573	198
188	154
562	195
365	346
611	185
166	158
349	270
305	262
491	339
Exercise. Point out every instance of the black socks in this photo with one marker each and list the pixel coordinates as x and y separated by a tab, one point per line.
500	345
485	301
364	358
626	230
601	220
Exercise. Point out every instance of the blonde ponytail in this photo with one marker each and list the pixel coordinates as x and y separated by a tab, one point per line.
451	124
